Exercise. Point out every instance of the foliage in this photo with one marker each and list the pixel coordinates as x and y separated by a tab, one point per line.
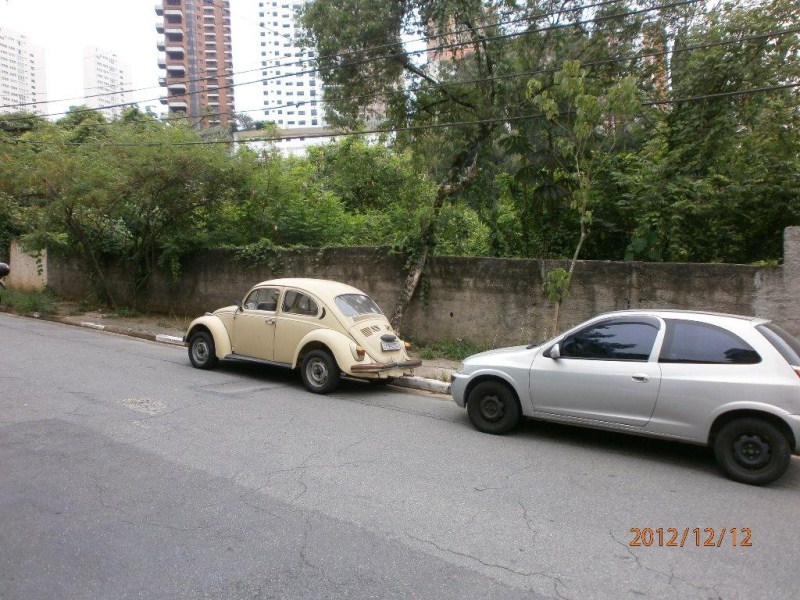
556	285
27	303
507	146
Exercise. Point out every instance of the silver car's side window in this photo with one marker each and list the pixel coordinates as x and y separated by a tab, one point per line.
265	299
614	339
693	342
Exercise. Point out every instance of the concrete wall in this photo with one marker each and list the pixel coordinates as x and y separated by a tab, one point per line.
483	300
28	271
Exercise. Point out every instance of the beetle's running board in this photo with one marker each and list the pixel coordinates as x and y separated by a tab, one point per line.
259	361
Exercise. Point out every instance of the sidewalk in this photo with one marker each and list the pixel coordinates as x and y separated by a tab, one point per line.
432	376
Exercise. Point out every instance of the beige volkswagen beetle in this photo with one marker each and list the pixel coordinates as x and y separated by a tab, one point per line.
323	327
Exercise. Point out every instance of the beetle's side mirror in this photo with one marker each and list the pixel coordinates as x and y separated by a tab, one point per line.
239	306
554	352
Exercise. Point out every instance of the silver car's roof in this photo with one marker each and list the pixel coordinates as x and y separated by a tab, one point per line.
674	312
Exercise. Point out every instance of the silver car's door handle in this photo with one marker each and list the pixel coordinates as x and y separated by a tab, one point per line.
270	320
640	377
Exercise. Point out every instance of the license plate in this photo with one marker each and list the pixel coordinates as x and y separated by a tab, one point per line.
387	346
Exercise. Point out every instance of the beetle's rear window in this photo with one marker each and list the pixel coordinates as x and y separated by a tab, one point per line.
784	342
353	305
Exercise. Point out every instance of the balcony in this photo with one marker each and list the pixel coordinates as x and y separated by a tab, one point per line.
163	99
177	88
159	10
162	81
162	62
175	51
177	104
160	26
173	14
174	34
176	70
160	43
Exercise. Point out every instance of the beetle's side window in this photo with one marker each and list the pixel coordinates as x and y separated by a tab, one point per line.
612	340
263	299
299	304
692	342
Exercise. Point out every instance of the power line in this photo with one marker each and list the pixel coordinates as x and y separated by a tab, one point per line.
325	57
413	52
626	58
412	128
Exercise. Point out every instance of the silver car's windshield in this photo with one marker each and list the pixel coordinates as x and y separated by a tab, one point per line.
353	305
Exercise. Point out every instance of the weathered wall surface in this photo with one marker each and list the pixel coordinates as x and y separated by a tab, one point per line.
485	300
28	272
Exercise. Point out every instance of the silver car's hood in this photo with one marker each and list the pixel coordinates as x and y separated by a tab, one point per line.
501	356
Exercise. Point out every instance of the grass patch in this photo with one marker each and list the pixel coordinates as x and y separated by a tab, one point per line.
175	321
125	313
450	350
27	303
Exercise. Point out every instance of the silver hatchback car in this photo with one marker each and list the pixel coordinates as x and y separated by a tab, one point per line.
726	381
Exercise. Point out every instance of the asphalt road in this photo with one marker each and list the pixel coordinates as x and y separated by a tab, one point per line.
126	473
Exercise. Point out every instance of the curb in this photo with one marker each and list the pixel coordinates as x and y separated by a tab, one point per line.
416	383
420	383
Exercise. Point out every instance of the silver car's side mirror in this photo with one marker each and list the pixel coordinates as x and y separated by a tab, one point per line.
555	352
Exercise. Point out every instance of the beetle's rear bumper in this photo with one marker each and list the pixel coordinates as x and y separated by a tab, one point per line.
383	367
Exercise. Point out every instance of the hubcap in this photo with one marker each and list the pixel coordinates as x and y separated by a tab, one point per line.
317	372
200	351
492	408
751	451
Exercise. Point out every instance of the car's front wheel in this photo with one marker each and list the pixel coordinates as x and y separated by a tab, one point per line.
493	408
752	450
319	372
202	353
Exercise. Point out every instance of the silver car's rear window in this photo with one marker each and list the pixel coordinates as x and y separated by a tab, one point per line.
353	305
784	342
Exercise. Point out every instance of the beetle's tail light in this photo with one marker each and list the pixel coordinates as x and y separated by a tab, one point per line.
797	370
360	353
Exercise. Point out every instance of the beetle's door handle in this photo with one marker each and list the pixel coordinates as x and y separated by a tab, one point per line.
640	377
270	320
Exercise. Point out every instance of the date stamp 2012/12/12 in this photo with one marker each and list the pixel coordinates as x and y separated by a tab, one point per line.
704	537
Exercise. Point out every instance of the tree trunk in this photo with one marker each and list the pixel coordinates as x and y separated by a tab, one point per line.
446	189
557	308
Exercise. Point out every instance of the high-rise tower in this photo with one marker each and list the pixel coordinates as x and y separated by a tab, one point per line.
22	74
292	95
105	78
198	59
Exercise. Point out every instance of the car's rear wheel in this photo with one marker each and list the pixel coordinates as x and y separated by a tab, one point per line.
202	353
319	372
493	408
752	450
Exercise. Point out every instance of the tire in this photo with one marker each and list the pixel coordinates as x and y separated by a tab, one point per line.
752	450
202	352
493	408
319	372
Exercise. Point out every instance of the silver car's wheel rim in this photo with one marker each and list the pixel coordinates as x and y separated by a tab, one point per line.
317	372
751	451
200	351
491	408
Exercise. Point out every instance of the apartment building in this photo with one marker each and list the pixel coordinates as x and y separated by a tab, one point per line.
22	74
197	59
105	80
292	95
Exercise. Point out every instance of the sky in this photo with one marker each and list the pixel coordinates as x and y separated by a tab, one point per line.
128	28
